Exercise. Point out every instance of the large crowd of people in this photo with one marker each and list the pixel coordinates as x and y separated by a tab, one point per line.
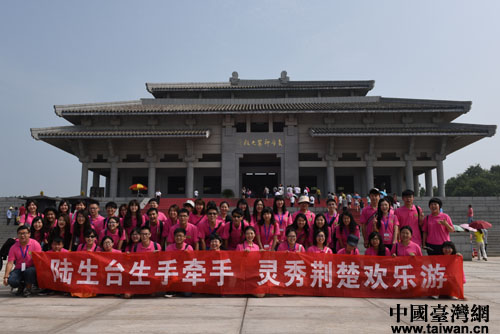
196	225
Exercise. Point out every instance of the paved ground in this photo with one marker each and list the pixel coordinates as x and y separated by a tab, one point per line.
60	314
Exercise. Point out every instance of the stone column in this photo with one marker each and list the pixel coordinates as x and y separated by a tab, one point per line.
151	159
416	184
95	179
409	158
189	175
330	173
113	182
151	179
440	175
85	179
369	158
428	183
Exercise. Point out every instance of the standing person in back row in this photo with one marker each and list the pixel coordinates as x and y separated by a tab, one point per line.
470	214
368	214
411	215
9	215
437	228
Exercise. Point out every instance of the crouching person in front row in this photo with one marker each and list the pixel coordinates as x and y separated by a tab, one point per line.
20	271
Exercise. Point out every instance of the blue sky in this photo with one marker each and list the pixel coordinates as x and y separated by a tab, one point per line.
65	52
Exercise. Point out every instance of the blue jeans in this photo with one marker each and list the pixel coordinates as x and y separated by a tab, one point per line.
18	277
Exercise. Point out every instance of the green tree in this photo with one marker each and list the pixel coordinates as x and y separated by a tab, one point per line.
475	181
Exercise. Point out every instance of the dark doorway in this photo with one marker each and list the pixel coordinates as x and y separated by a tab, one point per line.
176	185
258	171
257	181
309	181
383	182
344	184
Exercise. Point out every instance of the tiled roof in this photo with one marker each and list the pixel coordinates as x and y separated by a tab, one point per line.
453	129
68	133
158	109
257	84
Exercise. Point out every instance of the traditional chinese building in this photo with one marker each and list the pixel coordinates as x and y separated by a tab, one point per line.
225	135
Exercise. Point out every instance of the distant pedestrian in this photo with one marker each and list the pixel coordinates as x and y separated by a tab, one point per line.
266	192
470	214
292	201
10	214
158	195
196	193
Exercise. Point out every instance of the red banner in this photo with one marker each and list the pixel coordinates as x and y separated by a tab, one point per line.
251	273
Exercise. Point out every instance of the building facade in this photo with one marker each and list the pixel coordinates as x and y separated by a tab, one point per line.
224	135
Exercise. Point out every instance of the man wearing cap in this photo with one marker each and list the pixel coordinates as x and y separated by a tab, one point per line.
351	247
368	215
304	208
188	205
9	215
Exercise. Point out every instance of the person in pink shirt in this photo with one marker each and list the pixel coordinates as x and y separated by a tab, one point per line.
39	232
107	245
470	214
199	213
209	227
122	211
192	234
376	248
281	216
134	238
351	247
90	244
78	229
411	215
179	245
146	244
62	230
64	208
320	242
96	220
111	208
320	225
56	245
258	206
406	247
267	230
302	228
172	219
20	267
331	216
153	203
133	218
291	245
156	226
304	209
243	205
386	223
49	218
114	231
437	228
215	242
347	226
233	232
31	212
368	214
224	212
248	245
